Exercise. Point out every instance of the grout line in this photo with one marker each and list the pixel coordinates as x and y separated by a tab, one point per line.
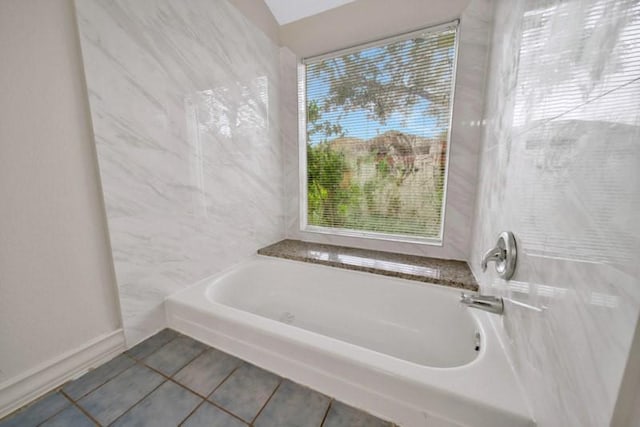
136	403
75	401
204	350
587	102
162	374
220	385
166	378
141	362
172	380
154	351
50	416
205	398
326	413
170	377
192	412
102	383
80	408
224	380
267	401
226	411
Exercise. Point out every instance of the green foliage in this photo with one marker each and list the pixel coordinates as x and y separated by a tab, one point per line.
393	208
383	168
315	125
383	191
370	197
329	192
393	78
363	193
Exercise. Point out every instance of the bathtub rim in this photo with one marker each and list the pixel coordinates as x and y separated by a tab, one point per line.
423	286
233	328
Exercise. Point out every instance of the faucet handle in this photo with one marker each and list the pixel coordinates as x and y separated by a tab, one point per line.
504	255
495	254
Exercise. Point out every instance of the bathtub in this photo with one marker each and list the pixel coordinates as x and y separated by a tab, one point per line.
402	350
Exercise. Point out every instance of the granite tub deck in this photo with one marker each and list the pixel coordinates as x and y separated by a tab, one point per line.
455	274
173	380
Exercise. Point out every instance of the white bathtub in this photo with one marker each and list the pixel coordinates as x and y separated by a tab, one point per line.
402	350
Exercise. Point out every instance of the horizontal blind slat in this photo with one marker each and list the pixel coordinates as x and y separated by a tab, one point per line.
377	133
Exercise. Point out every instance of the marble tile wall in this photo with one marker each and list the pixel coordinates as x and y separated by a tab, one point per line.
184	100
560	167
474	33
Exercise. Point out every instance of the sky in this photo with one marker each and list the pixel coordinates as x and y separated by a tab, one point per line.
356	123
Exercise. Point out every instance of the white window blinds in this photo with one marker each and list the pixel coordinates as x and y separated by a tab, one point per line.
377	134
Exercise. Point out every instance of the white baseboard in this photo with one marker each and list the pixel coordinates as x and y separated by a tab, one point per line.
18	391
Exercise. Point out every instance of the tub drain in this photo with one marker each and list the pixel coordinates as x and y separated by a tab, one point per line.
287	318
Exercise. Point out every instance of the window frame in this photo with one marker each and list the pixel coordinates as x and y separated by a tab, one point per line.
302	140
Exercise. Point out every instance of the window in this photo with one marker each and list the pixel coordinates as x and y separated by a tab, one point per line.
376	135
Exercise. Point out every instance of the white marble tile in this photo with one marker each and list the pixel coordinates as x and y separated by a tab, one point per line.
289	129
466	132
559	168
184	100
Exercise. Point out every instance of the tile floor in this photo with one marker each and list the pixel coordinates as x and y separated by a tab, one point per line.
171	379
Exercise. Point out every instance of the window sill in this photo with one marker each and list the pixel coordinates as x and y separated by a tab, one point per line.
455	274
371	235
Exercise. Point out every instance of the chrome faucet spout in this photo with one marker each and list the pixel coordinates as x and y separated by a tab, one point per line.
483	302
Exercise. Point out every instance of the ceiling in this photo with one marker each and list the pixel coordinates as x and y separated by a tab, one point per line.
286	11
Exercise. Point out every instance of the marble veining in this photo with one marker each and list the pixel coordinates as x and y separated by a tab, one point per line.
451	273
466	131
184	101
559	168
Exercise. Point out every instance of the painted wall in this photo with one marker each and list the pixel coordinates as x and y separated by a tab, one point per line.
363	21
184	100
560	168
474	33
57	285
259	14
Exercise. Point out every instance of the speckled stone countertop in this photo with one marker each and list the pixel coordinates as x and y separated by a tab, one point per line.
432	270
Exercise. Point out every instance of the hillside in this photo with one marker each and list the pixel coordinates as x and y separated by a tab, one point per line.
392	183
